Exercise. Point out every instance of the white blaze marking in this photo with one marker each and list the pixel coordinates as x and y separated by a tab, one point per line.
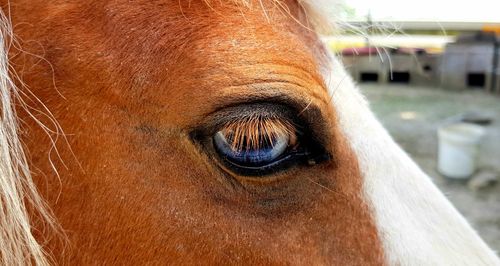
417	224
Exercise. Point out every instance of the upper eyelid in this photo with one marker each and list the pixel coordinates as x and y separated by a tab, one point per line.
282	92
243	111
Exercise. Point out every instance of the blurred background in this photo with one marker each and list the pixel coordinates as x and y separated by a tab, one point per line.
431	70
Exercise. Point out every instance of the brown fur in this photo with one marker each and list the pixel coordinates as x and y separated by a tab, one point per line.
135	78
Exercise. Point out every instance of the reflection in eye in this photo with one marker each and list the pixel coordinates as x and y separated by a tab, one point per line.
256	141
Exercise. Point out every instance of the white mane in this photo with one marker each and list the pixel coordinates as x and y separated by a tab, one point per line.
18	246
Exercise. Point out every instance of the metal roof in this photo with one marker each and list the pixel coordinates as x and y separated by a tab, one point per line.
428	25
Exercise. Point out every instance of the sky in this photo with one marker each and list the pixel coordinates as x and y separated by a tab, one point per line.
428	10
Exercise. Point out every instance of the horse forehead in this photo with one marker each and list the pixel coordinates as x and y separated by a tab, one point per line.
231	29
224	45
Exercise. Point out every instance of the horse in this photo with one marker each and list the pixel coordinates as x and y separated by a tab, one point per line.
202	132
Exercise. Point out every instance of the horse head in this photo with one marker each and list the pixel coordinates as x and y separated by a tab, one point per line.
220	132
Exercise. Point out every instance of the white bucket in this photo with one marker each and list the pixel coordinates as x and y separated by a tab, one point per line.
458	146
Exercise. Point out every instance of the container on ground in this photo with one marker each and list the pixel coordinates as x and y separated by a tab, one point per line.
458	148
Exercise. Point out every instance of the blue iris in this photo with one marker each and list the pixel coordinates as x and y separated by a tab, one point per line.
265	153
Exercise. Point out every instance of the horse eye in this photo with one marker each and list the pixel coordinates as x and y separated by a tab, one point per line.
258	146
262	138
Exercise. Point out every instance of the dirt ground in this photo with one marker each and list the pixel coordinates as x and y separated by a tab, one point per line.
413	114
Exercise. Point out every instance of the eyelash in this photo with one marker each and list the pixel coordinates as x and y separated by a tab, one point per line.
252	132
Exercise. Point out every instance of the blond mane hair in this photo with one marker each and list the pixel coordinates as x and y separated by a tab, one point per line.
18	193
